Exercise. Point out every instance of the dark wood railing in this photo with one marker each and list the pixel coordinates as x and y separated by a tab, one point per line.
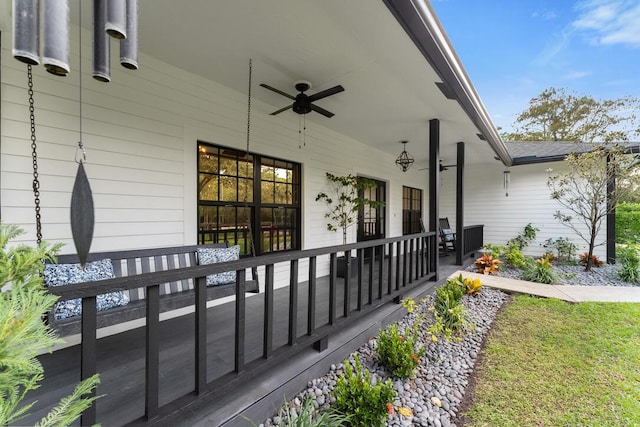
398	265
473	236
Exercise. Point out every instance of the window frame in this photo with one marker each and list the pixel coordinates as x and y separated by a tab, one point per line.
414	197
238	233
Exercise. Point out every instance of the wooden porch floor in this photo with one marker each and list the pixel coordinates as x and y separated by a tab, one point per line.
121	357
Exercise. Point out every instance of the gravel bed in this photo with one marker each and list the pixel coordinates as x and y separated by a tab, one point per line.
436	392
575	275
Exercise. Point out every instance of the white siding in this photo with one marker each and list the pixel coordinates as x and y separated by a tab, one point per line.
140	133
504	217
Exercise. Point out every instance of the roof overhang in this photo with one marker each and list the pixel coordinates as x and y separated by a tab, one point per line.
388	54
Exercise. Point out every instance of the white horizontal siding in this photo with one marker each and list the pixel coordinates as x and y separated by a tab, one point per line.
505	217
140	134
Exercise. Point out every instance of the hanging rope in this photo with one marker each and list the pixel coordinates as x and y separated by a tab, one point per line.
246	181
34	156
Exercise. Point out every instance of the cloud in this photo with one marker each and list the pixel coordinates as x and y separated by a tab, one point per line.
575	75
547	15
557	43
607	22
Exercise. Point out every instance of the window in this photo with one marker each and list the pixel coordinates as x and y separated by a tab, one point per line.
371	221
411	210
237	190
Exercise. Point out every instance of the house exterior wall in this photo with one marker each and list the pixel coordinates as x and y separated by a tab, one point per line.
140	134
504	217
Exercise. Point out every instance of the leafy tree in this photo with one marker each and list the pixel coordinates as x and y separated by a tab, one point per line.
582	190
556	115
23	334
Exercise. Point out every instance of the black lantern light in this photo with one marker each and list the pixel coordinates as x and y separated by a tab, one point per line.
404	160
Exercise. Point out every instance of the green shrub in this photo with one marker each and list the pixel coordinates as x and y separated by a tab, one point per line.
448	310
628	222
23	303
367	405
515	258
540	271
399	353
525	238
493	250
308	416
564	249
630	264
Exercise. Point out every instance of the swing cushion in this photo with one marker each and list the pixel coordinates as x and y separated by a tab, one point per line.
213	255
69	274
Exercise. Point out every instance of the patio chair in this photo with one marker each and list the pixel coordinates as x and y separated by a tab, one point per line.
447	236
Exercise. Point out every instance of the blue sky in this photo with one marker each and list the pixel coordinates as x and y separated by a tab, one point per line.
514	49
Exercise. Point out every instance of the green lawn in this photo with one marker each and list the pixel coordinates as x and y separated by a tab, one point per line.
550	363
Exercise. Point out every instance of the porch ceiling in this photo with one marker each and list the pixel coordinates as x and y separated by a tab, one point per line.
390	92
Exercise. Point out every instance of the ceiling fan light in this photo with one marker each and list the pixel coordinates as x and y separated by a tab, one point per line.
404	160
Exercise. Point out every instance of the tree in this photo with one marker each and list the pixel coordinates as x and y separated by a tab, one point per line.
23	334
556	115
344	207
582	190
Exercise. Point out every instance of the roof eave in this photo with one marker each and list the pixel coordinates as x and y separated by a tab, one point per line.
419	20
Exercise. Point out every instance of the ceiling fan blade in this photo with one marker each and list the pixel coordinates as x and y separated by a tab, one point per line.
277	91
325	93
281	110
321	110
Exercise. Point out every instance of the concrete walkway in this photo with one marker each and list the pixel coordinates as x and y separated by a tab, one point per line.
563	292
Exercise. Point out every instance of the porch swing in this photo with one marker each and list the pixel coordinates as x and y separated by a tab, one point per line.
122	264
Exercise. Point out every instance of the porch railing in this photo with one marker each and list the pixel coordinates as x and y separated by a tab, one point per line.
398	264
473	236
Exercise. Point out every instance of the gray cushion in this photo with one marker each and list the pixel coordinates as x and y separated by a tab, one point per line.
213	255
69	274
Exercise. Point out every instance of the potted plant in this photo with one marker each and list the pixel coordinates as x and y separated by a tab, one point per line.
344	204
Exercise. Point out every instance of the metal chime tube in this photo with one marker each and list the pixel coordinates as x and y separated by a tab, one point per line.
129	46
116	25
56	48
26	31
101	60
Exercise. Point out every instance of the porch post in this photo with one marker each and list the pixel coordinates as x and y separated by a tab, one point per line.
460	250
611	214
434	187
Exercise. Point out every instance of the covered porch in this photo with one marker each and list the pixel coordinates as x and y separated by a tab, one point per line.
240	358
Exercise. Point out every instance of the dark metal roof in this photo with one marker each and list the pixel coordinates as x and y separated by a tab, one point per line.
552	151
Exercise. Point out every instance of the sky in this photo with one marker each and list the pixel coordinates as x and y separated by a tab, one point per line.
514	49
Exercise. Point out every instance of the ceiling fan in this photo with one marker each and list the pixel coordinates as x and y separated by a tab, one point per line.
303	103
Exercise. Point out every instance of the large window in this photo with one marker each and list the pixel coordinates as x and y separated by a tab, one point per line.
411	210
238	191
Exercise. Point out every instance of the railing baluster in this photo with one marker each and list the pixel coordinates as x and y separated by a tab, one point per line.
347	284
88	350
332	288
201	334
240	320
267	343
293	301
311	300
390	269
360	258
380	270
405	261
411	256
152	367
398	265
372	264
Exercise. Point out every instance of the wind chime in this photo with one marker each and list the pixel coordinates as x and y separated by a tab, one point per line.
116	19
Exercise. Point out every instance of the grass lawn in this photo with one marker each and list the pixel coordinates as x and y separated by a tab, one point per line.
550	363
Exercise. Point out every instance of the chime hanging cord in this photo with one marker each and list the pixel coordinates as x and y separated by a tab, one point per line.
246	181
34	156
81	154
